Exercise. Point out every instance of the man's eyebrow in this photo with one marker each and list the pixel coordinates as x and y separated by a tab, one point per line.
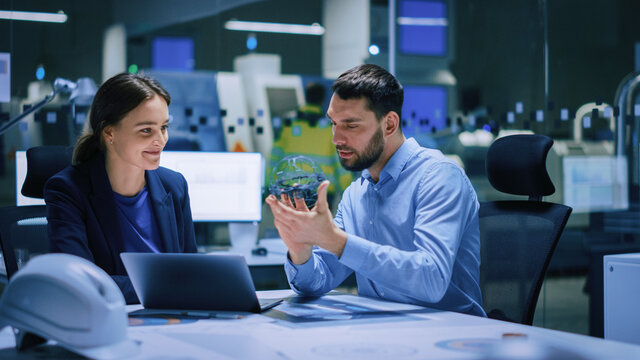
349	120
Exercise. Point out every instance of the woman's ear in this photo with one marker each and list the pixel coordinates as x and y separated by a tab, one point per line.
107	134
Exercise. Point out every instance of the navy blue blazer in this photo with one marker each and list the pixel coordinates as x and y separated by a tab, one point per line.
82	216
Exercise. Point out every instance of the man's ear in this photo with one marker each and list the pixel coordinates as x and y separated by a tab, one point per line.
391	123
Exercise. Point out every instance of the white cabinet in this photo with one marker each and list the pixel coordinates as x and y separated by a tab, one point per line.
622	297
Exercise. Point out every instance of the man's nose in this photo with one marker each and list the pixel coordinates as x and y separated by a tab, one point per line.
338	138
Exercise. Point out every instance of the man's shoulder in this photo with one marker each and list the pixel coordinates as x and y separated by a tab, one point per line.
431	166
434	169
427	159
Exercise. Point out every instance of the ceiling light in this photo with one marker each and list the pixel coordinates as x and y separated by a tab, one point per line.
422	21
59	17
255	26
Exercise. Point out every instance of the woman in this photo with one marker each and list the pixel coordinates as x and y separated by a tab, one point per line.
115	197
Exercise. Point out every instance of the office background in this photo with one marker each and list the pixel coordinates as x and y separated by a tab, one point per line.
490	65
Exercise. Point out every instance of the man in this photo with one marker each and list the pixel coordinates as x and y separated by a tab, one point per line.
309	134
408	227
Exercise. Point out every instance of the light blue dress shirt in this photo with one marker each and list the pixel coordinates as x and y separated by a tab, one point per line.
413	236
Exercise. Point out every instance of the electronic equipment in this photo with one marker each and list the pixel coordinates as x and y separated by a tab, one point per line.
223	186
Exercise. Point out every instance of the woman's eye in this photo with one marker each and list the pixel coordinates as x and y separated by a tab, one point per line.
164	127
146	131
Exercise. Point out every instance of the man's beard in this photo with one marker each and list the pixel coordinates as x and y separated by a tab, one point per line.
369	156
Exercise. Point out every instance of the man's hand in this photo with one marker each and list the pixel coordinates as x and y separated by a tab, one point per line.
299	252
301	228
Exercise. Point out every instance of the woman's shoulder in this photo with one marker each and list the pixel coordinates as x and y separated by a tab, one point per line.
170	178
74	179
72	174
168	174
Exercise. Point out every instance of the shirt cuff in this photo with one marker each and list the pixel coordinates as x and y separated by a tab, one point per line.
356	251
303	271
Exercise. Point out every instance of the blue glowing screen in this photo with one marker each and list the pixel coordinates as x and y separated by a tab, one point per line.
428	33
424	109
172	53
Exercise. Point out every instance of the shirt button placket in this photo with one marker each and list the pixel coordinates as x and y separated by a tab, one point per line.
372	211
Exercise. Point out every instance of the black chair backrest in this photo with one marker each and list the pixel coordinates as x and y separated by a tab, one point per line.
517	165
23	234
518	237
42	163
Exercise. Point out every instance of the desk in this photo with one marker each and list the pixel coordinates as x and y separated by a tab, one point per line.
391	331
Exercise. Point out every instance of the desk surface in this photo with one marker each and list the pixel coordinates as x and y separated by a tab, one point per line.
344	326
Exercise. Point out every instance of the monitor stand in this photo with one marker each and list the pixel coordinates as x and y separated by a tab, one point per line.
243	236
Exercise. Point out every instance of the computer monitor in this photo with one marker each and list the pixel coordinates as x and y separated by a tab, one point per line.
424	109
21	174
223	186
172	53
281	101
423	28
595	183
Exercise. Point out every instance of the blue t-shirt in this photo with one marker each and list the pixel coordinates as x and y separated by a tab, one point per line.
138	224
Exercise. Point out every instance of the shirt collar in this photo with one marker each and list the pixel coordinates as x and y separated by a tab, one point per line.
396	163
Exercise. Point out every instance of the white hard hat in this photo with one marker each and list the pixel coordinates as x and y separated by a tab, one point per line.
70	300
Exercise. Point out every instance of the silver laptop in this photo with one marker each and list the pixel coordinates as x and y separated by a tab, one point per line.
190	284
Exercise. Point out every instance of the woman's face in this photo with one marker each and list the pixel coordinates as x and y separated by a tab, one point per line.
138	139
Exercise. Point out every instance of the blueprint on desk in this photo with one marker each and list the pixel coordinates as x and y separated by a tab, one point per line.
309	311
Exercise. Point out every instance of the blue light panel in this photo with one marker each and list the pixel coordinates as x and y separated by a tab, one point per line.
172	53
422	39
424	108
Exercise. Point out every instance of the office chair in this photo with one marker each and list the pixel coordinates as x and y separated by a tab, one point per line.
23	229
42	163
23	234
518	237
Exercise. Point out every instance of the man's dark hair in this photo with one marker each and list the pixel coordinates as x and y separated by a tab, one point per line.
382	90
314	93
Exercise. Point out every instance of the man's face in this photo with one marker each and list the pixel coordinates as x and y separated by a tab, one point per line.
357	133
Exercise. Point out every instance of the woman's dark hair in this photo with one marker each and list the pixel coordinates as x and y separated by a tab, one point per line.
381	90
113	101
